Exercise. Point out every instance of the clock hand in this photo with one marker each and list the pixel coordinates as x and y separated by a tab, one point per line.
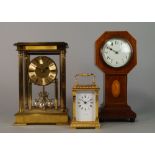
83	101
116	52
42	69
89	100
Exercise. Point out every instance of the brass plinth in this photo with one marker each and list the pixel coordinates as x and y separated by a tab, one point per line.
41	118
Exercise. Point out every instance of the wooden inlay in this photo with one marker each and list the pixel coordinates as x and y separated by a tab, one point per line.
115	88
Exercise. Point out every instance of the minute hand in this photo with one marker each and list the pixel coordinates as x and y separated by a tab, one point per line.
116	52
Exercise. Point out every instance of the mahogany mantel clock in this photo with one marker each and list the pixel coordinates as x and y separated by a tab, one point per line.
116	56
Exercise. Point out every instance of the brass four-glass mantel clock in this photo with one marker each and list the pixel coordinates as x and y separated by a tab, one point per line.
42	83
116	56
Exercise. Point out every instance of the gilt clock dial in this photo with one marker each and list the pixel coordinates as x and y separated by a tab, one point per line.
116	52
85	105
42	70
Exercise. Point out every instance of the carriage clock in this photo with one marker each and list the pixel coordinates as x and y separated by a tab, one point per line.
85	103
42	83
116	56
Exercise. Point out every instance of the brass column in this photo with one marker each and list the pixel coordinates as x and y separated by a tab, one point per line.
56	94
74	106
26	80
63	80
21	84
97	103
29	83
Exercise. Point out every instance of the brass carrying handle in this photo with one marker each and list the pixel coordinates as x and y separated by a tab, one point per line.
85	75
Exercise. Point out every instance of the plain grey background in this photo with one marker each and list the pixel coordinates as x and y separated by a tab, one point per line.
81	38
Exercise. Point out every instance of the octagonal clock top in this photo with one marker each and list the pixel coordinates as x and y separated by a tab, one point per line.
116	52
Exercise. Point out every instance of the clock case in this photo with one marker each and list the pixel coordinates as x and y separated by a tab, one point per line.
116	107
27	116
78	87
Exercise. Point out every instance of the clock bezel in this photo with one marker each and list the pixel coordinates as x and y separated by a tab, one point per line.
34	82
131	52
100	42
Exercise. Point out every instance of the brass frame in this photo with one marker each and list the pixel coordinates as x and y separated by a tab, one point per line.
77	87
59	115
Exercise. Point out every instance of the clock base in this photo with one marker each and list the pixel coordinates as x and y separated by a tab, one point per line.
28	118
85	124
117	113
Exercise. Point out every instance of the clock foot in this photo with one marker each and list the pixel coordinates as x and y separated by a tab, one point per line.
132	119
117	113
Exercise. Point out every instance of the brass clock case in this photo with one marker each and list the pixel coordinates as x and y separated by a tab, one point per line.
84	88
42	70
39	103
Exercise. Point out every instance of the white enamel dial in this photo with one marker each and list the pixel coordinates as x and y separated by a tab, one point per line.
116	52
85	106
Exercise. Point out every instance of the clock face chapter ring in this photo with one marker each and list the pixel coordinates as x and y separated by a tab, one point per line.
42	70
116	52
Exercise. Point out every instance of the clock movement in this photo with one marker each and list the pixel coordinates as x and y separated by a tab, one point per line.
42	83
116	56
85	103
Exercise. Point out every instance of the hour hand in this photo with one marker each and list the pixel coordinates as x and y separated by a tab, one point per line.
85	102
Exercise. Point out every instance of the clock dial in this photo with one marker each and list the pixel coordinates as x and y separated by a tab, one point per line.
42	70
85	106
116	52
